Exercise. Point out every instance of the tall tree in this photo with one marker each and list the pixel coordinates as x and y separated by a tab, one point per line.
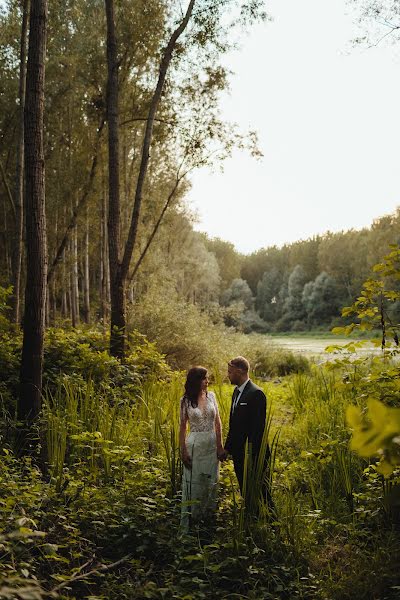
19	179
229	260
114	225
320	300
268	294
119	269
293	308
35	218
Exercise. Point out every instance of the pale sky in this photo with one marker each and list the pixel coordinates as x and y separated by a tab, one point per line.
328	119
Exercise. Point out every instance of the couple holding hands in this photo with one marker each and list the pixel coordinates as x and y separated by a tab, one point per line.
202	449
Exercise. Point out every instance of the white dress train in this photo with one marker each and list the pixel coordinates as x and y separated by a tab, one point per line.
199	484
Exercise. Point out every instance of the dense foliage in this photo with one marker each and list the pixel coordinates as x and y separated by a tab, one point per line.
112	494
94	512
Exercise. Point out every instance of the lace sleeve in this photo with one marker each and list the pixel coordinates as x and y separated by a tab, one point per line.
183	410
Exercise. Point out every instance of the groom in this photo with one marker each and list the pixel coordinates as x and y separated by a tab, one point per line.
247	419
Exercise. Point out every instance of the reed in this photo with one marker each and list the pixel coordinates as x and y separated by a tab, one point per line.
81	425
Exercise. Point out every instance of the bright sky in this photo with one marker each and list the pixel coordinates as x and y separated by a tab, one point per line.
328	120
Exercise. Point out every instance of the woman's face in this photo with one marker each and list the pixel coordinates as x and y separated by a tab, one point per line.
204	383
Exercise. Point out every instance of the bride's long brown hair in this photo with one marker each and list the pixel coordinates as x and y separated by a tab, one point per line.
194	377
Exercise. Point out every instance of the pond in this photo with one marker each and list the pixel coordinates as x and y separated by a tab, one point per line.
315	346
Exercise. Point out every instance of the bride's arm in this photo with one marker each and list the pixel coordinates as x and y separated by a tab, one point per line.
187	461
218	431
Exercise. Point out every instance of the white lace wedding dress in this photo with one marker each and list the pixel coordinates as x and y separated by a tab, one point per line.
199	484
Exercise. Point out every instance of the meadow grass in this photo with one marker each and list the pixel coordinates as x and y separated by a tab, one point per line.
122	459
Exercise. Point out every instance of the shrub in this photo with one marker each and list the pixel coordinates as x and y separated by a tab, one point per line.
299	326
275	362
79	355
5	293
186	335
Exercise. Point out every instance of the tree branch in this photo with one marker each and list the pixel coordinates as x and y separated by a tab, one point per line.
156	226
146	119
79	576
166	59
393	28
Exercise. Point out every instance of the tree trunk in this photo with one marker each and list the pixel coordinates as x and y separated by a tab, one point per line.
104	271
102	264
19	183
47	313
29	401
119	269
71	289
76	277
117	333
64	302
64	286
6	243
156	227
74	280
53	305
51	287
165	62
86	270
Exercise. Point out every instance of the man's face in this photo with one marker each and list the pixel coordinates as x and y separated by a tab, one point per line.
234	375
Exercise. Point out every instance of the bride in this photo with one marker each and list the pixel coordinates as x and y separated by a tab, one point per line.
200	450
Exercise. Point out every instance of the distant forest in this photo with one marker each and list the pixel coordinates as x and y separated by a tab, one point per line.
300	286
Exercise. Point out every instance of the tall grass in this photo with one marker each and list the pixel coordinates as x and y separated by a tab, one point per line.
311	470
322	479
82	425
157	416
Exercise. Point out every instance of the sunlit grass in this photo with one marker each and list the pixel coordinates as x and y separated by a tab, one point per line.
318	485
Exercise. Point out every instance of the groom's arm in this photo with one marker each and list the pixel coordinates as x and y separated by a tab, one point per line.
258	409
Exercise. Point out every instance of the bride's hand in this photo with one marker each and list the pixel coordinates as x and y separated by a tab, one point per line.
186	459
222	454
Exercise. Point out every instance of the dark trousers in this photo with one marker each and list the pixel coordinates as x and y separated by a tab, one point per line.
238	463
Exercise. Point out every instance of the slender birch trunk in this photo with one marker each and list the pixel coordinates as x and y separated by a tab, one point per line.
19	183
75	277
86	270
71	284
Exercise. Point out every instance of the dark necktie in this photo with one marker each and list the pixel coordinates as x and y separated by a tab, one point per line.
236	393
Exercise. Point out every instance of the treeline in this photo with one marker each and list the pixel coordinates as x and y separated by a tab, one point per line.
304	285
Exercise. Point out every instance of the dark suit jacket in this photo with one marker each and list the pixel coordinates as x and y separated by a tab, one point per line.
247	421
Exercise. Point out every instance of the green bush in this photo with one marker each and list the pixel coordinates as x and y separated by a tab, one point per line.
275	362
10	356
79	355
187	335
5	293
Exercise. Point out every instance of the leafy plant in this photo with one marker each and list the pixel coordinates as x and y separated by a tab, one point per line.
376	433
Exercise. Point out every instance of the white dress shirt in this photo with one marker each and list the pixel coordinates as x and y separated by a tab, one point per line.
240	388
